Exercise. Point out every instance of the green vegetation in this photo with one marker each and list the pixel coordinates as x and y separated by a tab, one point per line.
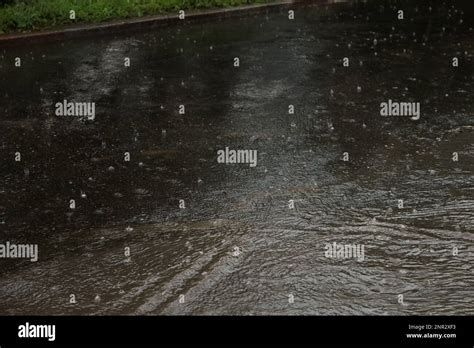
28	15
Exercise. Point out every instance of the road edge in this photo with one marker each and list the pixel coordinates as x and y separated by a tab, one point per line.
117	26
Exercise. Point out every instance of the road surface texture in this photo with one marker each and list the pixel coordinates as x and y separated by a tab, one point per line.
133	213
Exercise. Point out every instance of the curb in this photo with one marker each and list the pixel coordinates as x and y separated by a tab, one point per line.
145	23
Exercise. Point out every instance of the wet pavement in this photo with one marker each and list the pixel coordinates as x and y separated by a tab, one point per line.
249	240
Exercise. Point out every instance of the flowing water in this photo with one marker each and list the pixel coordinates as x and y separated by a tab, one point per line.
250	239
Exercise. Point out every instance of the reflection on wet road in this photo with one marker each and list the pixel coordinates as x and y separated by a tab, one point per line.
247	238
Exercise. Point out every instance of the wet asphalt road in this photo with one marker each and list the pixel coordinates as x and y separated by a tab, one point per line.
173	156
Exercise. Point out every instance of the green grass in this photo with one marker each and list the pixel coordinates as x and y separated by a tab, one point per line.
30	15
